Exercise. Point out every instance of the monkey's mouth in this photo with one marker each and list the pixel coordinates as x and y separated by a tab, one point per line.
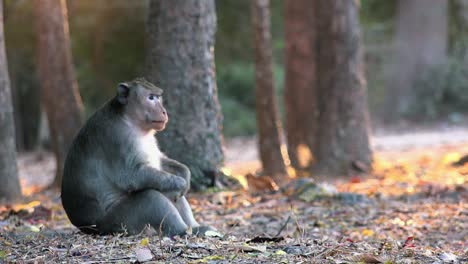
158	122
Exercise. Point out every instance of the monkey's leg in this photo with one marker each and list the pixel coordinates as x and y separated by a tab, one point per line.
140	209
185	212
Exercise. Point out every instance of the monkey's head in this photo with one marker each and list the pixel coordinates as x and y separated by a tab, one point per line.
143	105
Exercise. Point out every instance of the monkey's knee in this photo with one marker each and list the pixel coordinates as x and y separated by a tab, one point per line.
163	215
141	209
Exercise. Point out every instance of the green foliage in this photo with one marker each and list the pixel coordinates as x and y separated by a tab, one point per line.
458	29
107	46
236	87
239	120
373	11
237	82
442	90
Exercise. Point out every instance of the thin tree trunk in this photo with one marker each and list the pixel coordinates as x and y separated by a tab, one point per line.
301	79
459	39
59	89
342	138
420	43
268	123
23	81
181	61
9	187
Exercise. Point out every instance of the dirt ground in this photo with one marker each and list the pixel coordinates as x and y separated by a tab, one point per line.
411	209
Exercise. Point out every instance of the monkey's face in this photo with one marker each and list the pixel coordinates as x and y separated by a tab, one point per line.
152	113
144	106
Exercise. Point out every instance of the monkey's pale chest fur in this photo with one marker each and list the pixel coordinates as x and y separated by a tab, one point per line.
149	147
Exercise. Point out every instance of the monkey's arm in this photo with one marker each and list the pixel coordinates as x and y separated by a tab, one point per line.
176	168
144	177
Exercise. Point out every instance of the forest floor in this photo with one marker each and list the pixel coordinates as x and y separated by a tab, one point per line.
412	208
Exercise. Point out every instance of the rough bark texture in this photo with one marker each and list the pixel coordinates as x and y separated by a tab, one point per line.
420	43
301	78
268	123
9	187
342	139
181	61
59	89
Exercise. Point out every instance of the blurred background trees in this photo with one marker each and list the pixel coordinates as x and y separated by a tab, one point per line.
300	102
341	138
10	187
59	90
268	122
417	22
108	46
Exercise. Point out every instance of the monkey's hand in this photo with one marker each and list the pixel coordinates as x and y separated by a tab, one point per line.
178	169
179	192
173	196
180	185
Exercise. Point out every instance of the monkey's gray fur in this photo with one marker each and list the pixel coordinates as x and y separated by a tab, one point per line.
116	179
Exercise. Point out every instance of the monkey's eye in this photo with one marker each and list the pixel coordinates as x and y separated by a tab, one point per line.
153	97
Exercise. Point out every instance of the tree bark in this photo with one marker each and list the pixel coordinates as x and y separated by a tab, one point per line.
59	89
342	137
181	61
420	43
268	123
301	79
9	187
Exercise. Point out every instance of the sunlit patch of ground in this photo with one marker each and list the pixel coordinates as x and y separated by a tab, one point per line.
427	170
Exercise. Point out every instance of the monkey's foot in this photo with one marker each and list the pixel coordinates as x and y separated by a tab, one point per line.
201	230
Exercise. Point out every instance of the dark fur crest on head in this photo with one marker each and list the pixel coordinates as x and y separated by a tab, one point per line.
146	84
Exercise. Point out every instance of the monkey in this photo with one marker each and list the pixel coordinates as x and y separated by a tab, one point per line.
116	179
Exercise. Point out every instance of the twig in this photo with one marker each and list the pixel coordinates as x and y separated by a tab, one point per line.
283	226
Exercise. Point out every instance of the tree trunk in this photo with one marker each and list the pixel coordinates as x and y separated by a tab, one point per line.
342	140
420	43
301	79
9	187
458	10
59	89
181	61
23	81
268	123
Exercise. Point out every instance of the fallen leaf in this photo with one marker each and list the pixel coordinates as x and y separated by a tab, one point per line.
448	257
208	259
143	254
280	252
34	228
261	183
247	248
367	232
144	242
366	258
212	233
409	242
259	239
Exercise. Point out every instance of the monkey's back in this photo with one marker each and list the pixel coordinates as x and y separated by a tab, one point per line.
92	157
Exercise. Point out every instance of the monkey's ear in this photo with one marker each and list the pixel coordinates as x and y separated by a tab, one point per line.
123	90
